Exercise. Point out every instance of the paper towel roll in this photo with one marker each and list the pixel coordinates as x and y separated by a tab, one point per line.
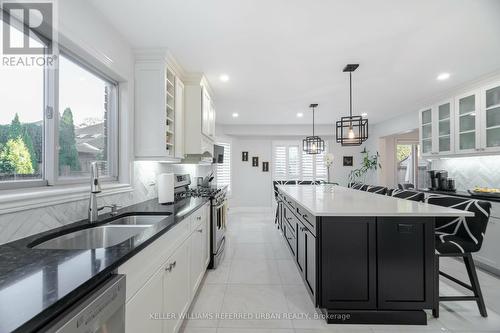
166	188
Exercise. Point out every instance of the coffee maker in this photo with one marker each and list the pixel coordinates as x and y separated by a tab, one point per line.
440	181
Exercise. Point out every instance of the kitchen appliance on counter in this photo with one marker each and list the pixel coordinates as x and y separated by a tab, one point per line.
103	311
166	188
218	208
440	181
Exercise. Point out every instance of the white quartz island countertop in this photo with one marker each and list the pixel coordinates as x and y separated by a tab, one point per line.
332	200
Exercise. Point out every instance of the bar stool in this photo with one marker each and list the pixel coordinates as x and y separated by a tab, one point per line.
407	194
460	237
376	189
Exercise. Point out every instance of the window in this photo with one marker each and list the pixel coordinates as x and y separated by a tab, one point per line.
84	120
21	121
408	169
291	163
224	169
82	127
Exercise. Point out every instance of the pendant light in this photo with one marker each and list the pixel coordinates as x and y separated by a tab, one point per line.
351	130
313	144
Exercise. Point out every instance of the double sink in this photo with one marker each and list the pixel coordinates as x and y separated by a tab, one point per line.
112	233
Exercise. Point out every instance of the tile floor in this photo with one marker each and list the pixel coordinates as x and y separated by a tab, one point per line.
259	276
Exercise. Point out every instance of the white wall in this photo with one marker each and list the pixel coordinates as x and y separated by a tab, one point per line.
251	187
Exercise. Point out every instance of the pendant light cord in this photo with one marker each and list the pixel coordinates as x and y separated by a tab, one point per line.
313	121
350	94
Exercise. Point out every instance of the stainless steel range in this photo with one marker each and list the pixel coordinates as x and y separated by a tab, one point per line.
218	204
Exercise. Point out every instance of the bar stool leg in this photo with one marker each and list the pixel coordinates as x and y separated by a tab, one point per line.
435	309
471	270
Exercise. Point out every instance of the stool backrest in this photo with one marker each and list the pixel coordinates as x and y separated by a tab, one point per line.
281	182
376	189
357	186
468	228
407	194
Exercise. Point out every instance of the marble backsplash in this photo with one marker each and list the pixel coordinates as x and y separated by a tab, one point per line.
471	171
24	223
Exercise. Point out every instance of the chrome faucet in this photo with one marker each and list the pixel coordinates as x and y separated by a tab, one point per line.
95	188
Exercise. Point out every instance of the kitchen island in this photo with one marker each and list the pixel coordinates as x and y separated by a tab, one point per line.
365	258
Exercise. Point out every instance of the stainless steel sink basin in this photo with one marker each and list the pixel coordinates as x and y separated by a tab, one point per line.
93	238
138	220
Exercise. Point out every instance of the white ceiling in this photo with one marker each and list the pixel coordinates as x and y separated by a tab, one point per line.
282	55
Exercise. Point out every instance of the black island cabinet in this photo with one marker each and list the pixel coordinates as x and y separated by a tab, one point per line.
361	269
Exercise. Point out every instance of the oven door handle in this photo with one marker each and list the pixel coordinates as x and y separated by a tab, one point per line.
221	246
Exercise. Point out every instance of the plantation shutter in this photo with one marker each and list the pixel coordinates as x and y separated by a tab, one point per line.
307	166
224	169
279	163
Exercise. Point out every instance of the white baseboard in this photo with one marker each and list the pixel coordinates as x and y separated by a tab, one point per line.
233	210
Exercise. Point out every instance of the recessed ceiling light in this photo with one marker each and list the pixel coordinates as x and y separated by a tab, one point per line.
443	76
300	115
224	77
235	115
364	114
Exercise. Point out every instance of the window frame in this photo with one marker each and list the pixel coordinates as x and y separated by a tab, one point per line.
113	123
50	117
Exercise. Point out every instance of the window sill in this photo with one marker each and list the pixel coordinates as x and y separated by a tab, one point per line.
23	199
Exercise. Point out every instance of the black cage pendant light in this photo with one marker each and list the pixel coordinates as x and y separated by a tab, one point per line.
351	130
313	144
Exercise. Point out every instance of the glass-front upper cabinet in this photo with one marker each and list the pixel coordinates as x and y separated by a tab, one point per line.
426	131
466	123
490	121
445	127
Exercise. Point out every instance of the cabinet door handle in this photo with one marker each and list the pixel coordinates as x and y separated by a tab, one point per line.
170	266
199	230
198	218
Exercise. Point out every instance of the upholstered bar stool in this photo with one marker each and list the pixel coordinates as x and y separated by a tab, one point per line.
376	189
406	194
460	237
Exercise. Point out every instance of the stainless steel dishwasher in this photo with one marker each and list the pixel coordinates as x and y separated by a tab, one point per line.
102	311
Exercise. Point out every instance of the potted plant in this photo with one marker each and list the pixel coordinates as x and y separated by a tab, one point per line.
369	163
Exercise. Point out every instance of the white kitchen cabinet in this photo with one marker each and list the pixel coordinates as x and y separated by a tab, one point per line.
199	117
444	119
490	118
163	278
176	288
427	131
437	129
199	248
468	124
147	301
179	118
159	108
467	134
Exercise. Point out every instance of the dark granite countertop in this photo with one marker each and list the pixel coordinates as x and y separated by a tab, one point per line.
36	285
463	194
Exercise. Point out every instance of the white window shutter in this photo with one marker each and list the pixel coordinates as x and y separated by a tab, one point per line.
224	169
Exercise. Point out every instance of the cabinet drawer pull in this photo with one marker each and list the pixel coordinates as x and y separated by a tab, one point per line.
303	229
199	230
198	218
